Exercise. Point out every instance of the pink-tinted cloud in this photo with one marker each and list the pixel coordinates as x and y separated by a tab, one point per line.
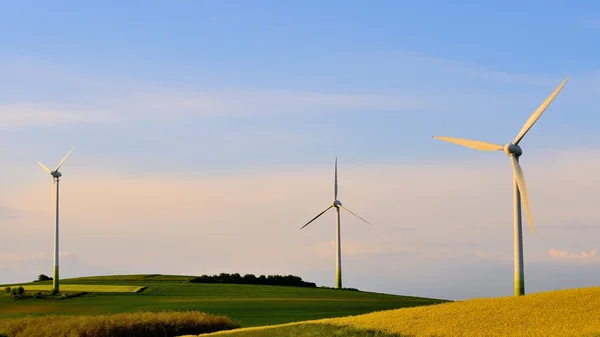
249	221
583	257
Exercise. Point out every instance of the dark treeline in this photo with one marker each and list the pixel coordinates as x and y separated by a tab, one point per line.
272	280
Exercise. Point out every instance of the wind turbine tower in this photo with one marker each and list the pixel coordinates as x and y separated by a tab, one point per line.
338	242
55	181
514	152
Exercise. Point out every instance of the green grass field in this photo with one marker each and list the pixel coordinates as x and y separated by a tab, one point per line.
87	288
251	305
572	312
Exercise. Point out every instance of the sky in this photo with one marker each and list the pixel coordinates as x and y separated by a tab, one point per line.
205	134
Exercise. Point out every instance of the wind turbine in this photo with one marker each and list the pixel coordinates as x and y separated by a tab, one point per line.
55	180
513	150
338	244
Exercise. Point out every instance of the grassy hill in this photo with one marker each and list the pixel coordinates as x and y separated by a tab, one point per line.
573	312
251	305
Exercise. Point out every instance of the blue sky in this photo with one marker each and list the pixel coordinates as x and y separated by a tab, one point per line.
198	92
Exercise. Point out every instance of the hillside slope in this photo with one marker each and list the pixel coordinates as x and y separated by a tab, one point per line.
251	305
572	312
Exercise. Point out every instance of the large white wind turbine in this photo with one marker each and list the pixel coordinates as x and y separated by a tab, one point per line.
513	150
55	180
338	244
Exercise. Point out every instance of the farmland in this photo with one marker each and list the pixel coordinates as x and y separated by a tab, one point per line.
251	305
138	324
89	288
573	312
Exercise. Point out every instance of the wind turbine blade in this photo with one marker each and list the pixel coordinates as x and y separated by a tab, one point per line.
44	167
474	144
347	210
335	184
537	113
315	218
63	160
520	177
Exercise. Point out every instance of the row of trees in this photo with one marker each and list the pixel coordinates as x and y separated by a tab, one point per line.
273	280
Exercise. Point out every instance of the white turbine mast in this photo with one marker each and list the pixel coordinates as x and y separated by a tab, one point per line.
55	181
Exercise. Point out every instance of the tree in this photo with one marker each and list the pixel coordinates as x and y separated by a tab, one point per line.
43	277
249	278
235	278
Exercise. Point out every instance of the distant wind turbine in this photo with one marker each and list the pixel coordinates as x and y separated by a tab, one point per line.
55	180
513	150
338	244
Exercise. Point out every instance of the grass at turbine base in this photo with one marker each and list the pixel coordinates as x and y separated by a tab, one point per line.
572	312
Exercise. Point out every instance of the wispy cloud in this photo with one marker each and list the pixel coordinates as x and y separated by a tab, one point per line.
19	115
20	257
582	257
257	102
479	71
93	99
574	225
8	213
182	103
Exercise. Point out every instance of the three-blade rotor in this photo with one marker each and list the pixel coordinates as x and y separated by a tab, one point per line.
336	203
512	150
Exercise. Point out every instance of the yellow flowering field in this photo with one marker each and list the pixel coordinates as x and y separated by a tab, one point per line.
573	312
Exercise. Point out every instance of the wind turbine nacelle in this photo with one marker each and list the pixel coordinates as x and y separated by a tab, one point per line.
513	149
337	203
56	174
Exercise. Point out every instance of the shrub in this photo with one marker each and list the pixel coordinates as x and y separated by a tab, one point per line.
139	324
7	290
17	292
